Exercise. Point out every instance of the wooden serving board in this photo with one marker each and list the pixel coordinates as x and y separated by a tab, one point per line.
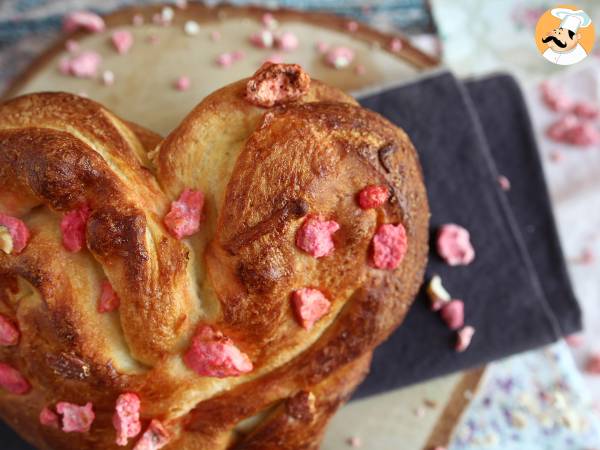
418	417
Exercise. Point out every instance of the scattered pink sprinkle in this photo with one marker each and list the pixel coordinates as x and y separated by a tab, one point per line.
215	36
454	245
108	78
555	98
287	41
339	57
396	45
126	418
389	246
84	65
137	20
77	419
153	39
352	26
373	196
72	226
309	306
587	257
592	366
109	300
214	355
238	55
315	236
9	333
225	59
269	20
12	381
556	156
570	129
504	183
354	442
275	58
122	40
72	46
262	39
49	418
183	219
453	313
154	438
575	340
322	47
83	20
183	83
19	233
463	338
360	69
586	110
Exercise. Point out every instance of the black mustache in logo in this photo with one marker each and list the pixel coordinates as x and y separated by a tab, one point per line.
556	41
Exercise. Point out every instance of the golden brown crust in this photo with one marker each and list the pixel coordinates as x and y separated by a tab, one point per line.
262	172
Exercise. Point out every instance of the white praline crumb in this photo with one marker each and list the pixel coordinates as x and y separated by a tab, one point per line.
6	242
191	28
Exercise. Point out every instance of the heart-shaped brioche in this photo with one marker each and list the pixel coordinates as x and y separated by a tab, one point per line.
223	288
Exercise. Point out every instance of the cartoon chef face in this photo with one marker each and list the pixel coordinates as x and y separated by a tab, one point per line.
561	39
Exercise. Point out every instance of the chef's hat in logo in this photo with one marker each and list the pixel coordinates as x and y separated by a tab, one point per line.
565	35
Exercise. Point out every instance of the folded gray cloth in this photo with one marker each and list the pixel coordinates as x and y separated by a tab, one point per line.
517	292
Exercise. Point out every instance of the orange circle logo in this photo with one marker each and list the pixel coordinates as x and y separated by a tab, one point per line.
565	35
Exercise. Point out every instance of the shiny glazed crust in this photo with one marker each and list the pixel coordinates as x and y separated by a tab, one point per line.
262	170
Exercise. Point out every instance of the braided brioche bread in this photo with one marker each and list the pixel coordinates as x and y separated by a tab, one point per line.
222	288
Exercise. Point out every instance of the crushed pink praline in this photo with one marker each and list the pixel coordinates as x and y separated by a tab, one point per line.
287	41
18	231
9	333
389	246
183	219
504	183
49	418
154	438
396	45
122	40
83	65
83	20
454	245
262	39
212	354
339	57
109	300
72	226
555	98
373	196
309	306
13	381
315	236
183	83
586	110
572	130
453	314
126	418
75	418
592	365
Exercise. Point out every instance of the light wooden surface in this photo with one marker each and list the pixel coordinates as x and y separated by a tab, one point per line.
416	418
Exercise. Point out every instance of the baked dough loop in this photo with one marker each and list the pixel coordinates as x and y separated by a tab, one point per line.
201	326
